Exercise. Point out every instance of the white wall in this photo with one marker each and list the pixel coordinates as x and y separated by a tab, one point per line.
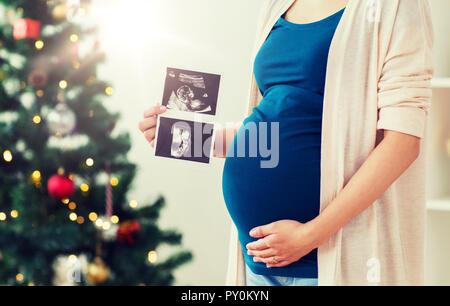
211	36
440	10
206	35
437	265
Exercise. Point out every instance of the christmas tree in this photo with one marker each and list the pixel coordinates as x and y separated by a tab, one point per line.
64	173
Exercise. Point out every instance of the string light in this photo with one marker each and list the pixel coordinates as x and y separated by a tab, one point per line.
74	38
65	201
84	187
73	216
89	162
109	91
63	84
37	119
36	175
40	93
19	277
7	156
106	225
14	213
73	258
80	220
152	256
2	216
93	216
76	65
39	44
114	219
99	222
133	203
72	205
114	181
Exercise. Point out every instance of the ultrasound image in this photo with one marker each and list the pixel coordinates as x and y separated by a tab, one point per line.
191	91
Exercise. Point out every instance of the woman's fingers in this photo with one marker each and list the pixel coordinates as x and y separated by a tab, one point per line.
278	265
267	260
260	244
147	124
270	263
150	134
263	253
154	111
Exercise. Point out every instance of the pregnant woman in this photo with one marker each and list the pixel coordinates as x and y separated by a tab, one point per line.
341	89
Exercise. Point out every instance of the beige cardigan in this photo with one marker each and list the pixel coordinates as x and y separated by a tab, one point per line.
378	77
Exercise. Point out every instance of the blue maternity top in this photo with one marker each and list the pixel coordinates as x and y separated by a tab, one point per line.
290	71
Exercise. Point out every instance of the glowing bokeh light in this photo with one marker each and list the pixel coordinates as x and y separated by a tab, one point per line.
93	216
37	119
7	156
63	84
133	203
39	44
73	216
152	256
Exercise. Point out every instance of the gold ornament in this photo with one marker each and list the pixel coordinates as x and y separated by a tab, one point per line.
98	272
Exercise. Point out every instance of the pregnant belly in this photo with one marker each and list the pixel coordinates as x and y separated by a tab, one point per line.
256	196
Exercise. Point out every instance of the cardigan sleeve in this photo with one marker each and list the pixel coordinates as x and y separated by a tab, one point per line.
404	87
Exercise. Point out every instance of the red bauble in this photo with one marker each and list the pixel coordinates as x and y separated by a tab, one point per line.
26	28
60	187
127	232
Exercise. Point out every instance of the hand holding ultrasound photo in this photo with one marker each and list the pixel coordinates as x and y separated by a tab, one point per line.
187	92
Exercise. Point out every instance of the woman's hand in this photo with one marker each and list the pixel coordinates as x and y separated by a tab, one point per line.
148	124
282	242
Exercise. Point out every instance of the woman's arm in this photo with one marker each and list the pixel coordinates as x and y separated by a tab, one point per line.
291	240
387	162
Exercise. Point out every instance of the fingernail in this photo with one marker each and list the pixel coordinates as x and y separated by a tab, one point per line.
162	108
252	232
